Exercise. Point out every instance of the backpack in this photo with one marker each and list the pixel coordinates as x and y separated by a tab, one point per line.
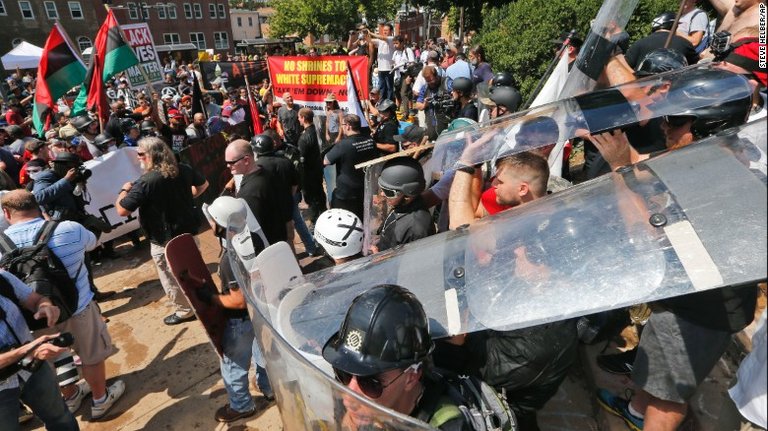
38	267
481	406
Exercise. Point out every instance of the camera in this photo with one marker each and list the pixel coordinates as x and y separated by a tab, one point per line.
443	103
82	174
720	45
65	339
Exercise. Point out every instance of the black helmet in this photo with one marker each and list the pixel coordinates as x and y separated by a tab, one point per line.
387	105
263	144
126	124
463	86
102	139
67	157
663	21
147	125
385	328
659	61
82	122
503	79
725	97
403	174
507	97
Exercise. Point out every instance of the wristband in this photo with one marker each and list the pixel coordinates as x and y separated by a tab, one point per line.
466	168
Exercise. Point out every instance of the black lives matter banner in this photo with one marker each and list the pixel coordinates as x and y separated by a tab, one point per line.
140	39
232	73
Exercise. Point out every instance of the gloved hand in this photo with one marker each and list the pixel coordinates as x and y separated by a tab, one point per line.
205	295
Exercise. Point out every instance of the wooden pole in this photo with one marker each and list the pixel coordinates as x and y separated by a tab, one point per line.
674	25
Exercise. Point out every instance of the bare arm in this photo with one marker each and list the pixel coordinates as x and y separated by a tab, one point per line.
721	6
122	212
695	37
616	149
198	190
43	307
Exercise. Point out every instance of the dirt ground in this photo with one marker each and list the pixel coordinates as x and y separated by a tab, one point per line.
171	372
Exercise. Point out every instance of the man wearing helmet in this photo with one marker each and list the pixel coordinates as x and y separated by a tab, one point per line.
461	93
661	27
401	182
382	352
387	129
340	233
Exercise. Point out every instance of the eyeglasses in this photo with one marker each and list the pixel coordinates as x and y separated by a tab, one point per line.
232	162
676	121
389	192
370	385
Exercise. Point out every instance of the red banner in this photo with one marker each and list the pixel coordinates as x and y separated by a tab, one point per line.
310	80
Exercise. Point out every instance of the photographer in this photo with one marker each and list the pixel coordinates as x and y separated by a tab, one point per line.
435	101
39	391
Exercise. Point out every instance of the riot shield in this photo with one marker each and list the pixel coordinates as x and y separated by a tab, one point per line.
307	395
628	104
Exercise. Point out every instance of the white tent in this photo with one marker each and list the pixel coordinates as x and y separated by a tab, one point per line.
24	56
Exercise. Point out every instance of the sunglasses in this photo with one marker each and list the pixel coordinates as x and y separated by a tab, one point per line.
140	154
370	385
676	121
389	192
232	162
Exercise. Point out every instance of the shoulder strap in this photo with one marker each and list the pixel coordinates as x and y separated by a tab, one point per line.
6	244
45	232
446	412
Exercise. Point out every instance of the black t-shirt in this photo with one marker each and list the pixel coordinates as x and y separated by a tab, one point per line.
309	148
267	202
386	132
432	404
289	119
468	111
405	224
177	139
345	155
730	308
655	41
166	208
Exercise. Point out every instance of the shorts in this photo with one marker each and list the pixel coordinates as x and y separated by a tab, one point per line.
675	356
92	341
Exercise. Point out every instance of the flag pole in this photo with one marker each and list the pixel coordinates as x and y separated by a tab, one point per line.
673	30
549	70
138	66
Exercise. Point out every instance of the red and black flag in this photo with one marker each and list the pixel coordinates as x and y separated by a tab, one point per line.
60	70
111	55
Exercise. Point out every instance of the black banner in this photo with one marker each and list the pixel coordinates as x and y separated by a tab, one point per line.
232	73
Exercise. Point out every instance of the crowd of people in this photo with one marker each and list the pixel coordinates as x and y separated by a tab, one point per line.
304	156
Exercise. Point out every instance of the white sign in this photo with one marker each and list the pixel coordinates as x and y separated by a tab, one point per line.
140	39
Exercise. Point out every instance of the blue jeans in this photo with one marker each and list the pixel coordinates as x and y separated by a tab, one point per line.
301	226
41	394
240	349
387	84
329	174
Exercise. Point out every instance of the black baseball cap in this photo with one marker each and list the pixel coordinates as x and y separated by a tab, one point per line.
412	133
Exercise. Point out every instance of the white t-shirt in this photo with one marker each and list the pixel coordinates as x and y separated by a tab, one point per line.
693	21
384	56
400	59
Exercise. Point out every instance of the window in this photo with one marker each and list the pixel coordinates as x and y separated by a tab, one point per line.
187	11
212	10
83	43
198	11
222	11
161	11
144	10
171	38
239	21
220	40
2	8
171	11
250	21
198	39
50	10
133	12
26	10
75	10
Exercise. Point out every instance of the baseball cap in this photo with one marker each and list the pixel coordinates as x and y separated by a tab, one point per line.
575	40
175	114
33	145
411	133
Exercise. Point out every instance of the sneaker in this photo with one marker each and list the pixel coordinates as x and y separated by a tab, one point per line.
619	407
114	392
83	389
226	414
618	363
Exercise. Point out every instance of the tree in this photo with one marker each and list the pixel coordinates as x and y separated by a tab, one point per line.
516	35
318	17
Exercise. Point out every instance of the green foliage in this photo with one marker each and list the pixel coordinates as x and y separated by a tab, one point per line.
517	36
318	17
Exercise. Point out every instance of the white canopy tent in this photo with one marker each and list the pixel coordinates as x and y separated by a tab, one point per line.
24	56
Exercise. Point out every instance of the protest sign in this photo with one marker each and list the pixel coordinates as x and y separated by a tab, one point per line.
140	39
232	74
311	79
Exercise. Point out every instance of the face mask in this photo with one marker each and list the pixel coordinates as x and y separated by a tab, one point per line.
474	62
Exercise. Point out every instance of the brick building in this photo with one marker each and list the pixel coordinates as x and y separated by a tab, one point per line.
202	24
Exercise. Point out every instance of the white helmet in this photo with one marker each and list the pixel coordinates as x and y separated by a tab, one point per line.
340	233
226	209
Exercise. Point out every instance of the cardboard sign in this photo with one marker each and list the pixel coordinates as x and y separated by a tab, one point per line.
140	39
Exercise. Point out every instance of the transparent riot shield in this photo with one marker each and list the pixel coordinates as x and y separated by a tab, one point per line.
307	395
541	127
648	233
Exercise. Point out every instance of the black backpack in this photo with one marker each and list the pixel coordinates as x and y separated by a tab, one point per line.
40	269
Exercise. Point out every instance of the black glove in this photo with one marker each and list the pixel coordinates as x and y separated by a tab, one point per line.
205	295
